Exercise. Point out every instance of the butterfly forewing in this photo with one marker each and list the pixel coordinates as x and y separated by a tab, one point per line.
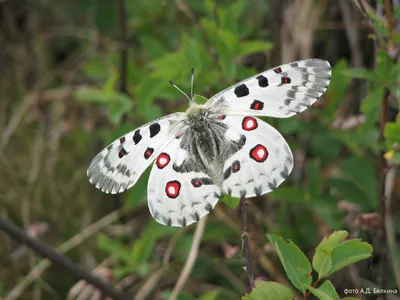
120	164
279	92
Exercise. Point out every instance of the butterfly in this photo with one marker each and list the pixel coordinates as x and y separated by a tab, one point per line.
215	148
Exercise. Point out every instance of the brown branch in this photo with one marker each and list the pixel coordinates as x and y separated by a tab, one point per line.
382	197
245	244
48	252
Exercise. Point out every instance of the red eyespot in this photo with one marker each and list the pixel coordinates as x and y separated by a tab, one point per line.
163	160
249	123
172	189
259	153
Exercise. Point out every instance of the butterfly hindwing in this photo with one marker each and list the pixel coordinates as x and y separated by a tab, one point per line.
180	191
262	164
279	92
118	166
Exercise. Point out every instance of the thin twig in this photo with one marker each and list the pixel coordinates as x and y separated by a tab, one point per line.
187	269
245	241
48	252
68	245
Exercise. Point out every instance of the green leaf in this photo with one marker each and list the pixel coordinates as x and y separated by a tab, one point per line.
251	47
231	201
322	260
336	90
212	295
120	105
372	100
383	66
325	292
295	263
361	73
91	95
191	52
349	252
269	290
111	82
200	99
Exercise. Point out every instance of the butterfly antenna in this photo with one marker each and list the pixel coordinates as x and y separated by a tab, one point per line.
191	85
174	85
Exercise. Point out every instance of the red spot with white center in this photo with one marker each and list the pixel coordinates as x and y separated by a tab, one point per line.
163	160
259	153
249	123
172	189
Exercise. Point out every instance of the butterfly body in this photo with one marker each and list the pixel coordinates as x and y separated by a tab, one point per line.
213	149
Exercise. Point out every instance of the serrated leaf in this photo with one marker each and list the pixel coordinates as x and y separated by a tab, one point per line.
251	47
349	252
295	263
322	260
231	201
325	292
269	290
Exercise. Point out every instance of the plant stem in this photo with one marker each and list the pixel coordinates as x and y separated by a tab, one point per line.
245	241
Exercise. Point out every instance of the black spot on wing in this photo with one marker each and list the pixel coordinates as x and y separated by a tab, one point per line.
154	129
243	193
182	222
262	81
227	173
273	185
137	137
241	90
258	190
196	216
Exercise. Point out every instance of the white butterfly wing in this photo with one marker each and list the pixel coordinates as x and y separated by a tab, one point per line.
279	92
263	163
118	166
179	190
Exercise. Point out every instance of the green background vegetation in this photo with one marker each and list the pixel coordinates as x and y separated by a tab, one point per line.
75	75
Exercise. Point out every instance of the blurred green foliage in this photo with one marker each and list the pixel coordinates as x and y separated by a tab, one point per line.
224	43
